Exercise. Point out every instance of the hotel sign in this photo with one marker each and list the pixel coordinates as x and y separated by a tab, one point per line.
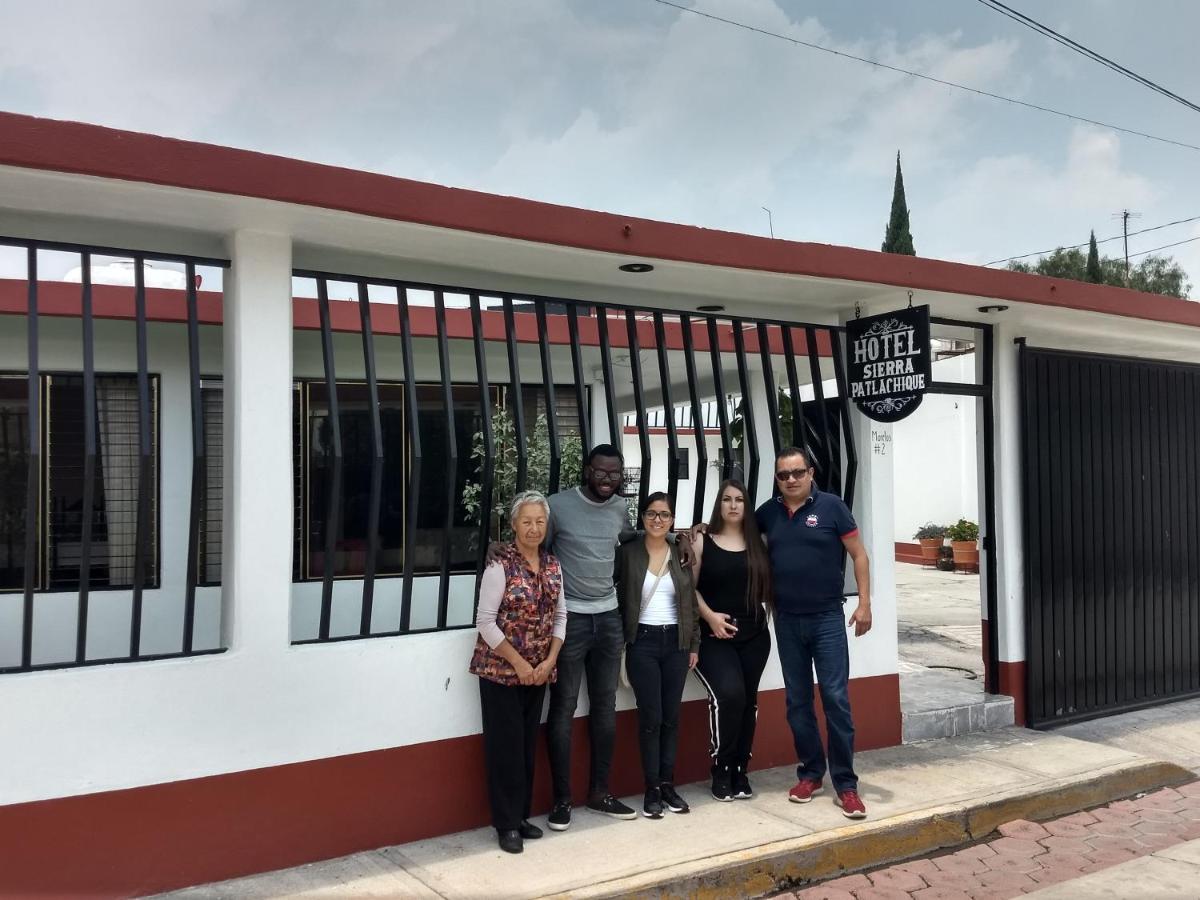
889	362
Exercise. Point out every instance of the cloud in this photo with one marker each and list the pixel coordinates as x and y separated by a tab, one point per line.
1005	205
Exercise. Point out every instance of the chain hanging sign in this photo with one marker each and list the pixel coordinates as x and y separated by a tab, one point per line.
889	362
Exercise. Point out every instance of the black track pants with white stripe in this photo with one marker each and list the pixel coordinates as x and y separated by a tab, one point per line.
730	670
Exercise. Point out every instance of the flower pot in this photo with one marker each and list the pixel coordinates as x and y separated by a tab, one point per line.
966	555
931	549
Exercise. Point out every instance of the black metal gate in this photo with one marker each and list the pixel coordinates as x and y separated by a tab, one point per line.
1112	541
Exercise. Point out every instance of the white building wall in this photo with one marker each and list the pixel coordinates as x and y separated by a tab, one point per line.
935	455
264	701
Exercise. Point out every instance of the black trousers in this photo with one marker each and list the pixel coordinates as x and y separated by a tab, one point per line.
657	671
730	669
510	720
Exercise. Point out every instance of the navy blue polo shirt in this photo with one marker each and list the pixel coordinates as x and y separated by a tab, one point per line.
806	551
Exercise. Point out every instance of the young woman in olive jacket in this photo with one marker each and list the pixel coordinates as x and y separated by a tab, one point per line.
662	633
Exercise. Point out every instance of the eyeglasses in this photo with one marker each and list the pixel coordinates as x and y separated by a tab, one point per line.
664	516
606	476
792	474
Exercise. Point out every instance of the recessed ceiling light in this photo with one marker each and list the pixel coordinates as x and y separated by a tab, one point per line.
993	308
713	307
637	268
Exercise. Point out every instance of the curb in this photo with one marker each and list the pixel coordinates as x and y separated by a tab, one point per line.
801	862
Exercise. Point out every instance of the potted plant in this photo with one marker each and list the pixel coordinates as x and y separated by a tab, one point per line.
931	537
964	540
945	562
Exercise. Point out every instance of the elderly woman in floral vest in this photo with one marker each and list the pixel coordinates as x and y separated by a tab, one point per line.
522	620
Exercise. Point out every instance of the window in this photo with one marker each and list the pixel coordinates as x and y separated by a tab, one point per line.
313	450
113	512
115	483
208	562
681	454
14	479
353	526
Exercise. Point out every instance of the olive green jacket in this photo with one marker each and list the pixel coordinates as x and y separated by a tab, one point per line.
630	574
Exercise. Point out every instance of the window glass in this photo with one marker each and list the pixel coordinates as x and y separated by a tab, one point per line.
14	479
113	511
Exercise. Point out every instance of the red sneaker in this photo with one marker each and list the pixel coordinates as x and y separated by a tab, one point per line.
851	804
805	790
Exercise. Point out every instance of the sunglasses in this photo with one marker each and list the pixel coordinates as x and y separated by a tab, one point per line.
792	474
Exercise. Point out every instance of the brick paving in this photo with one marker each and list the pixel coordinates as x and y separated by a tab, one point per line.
1027	856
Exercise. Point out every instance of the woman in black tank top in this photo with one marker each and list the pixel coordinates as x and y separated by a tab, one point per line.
733	589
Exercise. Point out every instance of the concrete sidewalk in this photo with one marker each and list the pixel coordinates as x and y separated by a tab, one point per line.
921	797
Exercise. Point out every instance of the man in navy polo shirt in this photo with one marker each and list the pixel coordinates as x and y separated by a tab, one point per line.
806	532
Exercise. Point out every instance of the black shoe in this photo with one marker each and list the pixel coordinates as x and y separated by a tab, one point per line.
740	784
529	831
671	799
611	806
652	806
560	816
510	841
722	789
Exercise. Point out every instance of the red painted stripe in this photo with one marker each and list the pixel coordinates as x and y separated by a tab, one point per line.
29	142
166	836
1012	683
57	298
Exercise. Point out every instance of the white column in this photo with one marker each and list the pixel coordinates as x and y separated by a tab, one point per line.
877	653
257	544
756	392
1010	556
599	418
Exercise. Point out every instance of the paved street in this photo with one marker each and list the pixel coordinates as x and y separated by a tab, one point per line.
1147	846
1027	856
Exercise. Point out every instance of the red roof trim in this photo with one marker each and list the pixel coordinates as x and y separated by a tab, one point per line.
30	142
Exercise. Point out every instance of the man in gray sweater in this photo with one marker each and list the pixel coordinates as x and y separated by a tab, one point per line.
586	524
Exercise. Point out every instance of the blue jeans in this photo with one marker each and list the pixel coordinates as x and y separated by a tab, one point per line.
593	649
804	641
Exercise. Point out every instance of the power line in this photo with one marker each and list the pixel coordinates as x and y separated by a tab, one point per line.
1103	241
952	84
1165	246
1045	30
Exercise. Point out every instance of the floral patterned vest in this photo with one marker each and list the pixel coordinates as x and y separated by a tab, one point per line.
526	616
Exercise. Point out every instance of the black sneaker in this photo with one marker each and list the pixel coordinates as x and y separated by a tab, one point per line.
611	806
560	816
740	785
652	806
722	788
671	799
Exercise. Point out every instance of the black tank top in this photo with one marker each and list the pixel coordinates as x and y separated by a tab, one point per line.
722	583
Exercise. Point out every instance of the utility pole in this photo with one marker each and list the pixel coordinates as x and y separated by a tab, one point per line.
1125	215
770	221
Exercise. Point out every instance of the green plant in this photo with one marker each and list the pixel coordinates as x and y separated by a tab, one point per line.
928	531
963	530
504	468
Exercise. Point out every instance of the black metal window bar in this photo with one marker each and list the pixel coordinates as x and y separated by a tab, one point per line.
34	520
506	362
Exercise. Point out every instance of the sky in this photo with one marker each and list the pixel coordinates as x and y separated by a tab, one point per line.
633	107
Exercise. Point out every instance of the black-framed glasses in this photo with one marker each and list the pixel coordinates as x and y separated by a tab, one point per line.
792	474
607	476
659	515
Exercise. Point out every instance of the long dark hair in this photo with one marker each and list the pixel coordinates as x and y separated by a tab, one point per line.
758	565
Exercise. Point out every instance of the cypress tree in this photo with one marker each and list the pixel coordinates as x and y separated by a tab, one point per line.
1094	274
898	237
